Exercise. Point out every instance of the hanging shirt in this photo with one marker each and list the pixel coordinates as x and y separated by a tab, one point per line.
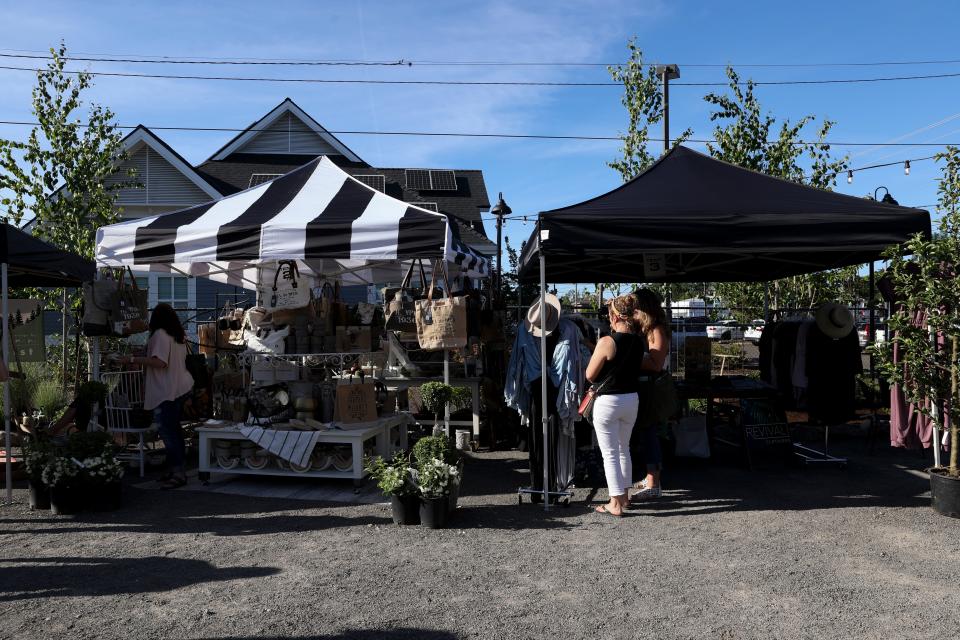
170	382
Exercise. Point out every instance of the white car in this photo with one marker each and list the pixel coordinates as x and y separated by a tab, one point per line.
754	331
880	336
725	330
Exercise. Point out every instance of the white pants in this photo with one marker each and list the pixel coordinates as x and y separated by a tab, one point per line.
613	419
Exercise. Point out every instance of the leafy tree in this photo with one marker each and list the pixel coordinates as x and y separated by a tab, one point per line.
749	137
924	273
59	174
643	100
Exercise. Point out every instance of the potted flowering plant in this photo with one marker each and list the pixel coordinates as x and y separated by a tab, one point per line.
101	475
439	447
36	454
60	475
395	479
435	478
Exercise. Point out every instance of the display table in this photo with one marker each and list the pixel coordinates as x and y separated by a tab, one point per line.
763	432
398	384
389	434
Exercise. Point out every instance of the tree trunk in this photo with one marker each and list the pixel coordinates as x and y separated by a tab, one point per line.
954	427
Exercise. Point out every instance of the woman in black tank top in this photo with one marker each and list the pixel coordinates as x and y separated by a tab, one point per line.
618	357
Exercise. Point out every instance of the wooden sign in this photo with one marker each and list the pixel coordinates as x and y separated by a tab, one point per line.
356	403
697	359
26	330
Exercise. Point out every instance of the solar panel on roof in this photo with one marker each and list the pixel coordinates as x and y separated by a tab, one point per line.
429	206
418	179
260	178
443	180
375	181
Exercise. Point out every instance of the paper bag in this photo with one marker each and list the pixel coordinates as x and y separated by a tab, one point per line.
356	403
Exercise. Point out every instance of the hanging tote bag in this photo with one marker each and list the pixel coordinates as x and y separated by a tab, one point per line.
128	306
292	292
441	324
97	302
401	313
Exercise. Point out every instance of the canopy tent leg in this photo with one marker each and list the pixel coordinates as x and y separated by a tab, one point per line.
872	326
543	386
766	301
446	381
6	388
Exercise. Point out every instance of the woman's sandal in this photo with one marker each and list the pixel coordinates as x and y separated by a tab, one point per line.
174	483
602	509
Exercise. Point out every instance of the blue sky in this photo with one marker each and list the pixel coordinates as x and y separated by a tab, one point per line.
533	175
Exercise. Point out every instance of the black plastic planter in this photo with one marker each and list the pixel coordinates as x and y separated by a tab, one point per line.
433	512
406	509
64	501
945	492
39	496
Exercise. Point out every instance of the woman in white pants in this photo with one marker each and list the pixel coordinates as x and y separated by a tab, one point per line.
616	365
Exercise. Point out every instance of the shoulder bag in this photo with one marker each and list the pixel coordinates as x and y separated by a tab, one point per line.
597	388
441	324
291	293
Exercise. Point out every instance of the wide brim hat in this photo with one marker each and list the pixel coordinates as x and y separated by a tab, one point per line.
546	323
834	320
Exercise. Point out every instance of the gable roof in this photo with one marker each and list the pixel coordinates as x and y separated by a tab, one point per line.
258	128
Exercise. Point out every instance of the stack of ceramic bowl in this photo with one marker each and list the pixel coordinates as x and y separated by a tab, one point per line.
227	453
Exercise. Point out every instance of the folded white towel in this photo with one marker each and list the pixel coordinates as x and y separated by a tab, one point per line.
295	447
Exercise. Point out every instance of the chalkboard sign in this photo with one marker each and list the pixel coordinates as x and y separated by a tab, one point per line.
26	330
766	433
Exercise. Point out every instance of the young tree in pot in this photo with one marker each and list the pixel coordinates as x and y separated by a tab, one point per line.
395	479
435	478
925	275
435	396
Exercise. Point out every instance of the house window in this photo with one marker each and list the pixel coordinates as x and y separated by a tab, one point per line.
177	291
260	178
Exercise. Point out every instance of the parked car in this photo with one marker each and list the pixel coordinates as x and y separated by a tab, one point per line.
881	336
753	332
725	330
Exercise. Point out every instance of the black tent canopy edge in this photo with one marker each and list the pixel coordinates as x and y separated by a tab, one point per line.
692	218
31	262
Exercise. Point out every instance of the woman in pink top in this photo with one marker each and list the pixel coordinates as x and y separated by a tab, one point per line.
166	383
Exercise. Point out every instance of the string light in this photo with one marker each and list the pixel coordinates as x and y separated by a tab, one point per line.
906	168
850	177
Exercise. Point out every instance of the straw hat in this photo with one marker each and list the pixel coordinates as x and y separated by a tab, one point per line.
535	319
834	320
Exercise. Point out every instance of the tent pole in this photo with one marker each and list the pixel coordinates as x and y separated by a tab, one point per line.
872	326
766	301
446	381
6	387
543	379
63	338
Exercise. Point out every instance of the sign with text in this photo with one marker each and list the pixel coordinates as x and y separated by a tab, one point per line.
766	432
25	319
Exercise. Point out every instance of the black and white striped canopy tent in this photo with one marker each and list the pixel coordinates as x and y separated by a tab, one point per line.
331	223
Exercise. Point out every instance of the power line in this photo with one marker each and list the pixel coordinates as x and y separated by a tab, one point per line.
485	83
211	60
531	136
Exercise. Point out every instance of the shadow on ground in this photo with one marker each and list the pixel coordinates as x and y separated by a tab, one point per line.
360	634
28	578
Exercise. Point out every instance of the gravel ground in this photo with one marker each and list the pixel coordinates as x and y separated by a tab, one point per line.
728	553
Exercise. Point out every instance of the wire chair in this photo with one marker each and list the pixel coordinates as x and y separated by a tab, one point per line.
124	413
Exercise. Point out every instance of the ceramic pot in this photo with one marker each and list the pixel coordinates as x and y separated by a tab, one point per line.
64	500
39	496
406	509
944	493
433	512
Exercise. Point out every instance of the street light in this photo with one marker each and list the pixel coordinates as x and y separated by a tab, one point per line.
667	72
500	210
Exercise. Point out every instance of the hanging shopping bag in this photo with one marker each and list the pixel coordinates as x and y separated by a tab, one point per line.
354	340
207	338
288	291
97	302
401	313
339	312
441	324
128	307
356	403
322	310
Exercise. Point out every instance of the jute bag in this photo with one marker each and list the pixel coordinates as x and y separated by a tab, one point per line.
128	307
356	403
292	292
354	339
401	306
97	302
441	324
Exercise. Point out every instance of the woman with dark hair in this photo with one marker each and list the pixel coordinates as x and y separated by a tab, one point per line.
651	322
166	382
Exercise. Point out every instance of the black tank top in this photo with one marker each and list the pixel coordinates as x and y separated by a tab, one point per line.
627	360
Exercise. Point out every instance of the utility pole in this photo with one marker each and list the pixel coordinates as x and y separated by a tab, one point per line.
667	72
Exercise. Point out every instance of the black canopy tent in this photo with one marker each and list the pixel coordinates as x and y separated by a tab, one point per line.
26	261
692	218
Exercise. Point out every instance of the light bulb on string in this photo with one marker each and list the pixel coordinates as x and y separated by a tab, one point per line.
906	168
850	177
